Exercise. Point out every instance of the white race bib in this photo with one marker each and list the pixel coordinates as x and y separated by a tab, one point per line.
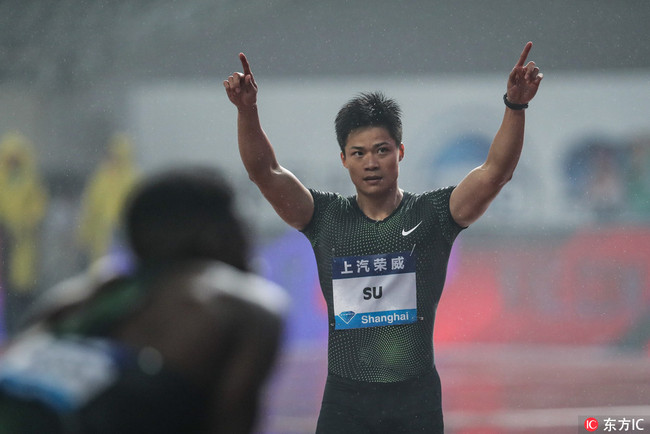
374	290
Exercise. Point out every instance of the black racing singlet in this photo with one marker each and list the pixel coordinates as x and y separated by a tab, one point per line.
382	281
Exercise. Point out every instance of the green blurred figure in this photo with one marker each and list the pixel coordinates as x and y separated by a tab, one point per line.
23	204
103	199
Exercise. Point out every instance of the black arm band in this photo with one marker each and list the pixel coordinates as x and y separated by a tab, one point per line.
512	105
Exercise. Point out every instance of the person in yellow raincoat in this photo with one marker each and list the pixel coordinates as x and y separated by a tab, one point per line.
103	199
23	203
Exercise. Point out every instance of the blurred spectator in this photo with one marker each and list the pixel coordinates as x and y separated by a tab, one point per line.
595	179
23	202
638	179
606	192
181	344
103	199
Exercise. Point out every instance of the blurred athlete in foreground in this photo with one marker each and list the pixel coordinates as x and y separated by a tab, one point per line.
182	344
382	254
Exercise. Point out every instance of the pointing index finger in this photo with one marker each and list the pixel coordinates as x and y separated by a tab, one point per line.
245	65
524	54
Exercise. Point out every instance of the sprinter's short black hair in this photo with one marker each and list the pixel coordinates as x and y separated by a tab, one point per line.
369	110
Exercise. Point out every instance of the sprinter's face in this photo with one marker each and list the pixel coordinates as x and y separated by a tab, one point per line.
372	158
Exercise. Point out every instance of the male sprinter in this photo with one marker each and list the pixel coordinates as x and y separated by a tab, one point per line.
382	254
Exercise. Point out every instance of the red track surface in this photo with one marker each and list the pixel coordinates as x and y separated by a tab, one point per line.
488	389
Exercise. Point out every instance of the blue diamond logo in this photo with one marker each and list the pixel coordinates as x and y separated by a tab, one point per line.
347	316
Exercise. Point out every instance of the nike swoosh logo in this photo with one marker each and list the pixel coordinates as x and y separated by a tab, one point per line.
405	233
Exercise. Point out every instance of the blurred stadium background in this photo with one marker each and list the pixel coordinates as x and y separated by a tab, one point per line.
545	319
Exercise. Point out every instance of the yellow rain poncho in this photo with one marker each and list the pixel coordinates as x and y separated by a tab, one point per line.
104	198
23	203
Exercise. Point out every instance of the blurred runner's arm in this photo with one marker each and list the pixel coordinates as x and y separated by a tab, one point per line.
253	352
